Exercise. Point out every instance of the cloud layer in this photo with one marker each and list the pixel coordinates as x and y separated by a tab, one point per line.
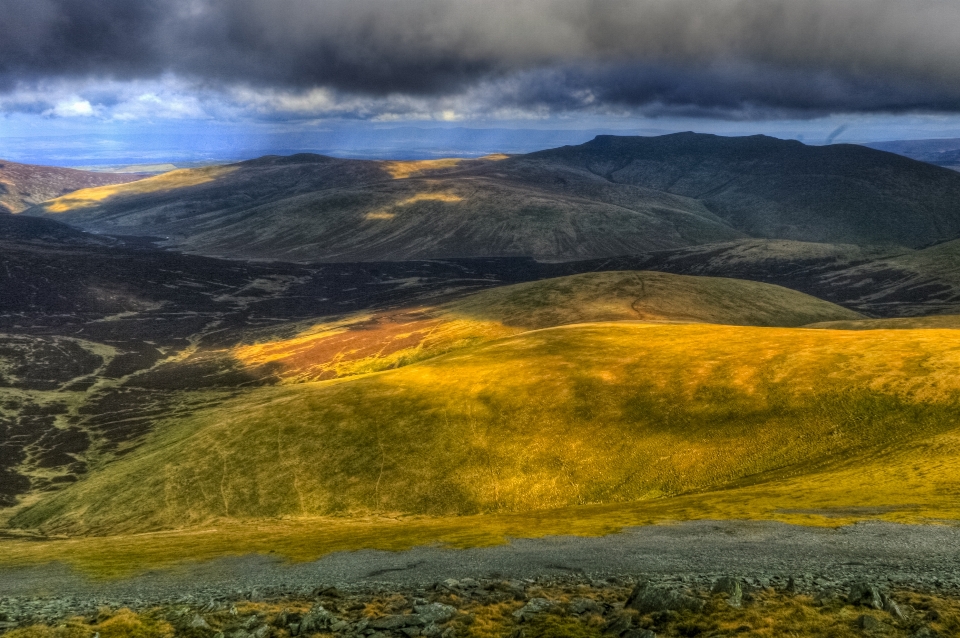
726	58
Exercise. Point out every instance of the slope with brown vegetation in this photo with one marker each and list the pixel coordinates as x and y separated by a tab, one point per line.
26	185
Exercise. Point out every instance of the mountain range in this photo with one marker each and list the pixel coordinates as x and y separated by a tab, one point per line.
611	196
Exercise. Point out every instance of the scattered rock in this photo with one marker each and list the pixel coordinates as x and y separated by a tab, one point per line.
397	621
648	598
512	587
618	625
198	623
317	619
926	632
891	607
451	583
732	588
580	606
865	594
431	631
436	613
533	607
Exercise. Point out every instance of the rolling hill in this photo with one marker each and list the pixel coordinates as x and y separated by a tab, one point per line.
611	196
583	414
369	342
25	185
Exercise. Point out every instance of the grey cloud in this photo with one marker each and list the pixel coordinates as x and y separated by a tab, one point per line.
717	56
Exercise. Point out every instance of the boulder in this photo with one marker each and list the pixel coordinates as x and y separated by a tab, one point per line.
317	619
891	607
533	607
865	594
581	606
647	599
198	623
618	625
436	613
731	587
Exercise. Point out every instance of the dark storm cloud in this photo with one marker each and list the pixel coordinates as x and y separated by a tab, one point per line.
710	56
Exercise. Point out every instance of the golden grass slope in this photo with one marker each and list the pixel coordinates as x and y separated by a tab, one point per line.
369	342
598	415
181	178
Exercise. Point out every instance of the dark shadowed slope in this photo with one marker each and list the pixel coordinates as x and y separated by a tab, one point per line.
612	196
315	208
780	189
24	185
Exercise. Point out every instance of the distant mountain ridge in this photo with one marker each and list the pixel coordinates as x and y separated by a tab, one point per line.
610	196
942	152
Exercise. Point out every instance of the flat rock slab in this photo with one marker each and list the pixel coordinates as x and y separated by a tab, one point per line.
927	556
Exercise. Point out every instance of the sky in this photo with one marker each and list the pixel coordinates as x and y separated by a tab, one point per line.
122	81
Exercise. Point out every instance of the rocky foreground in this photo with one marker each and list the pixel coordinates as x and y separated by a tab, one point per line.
615	607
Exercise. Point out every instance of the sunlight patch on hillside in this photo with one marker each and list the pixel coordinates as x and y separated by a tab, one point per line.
384	213
182	178
404	169
430	197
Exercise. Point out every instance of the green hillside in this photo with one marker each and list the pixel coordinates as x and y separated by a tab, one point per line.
583	414
367	342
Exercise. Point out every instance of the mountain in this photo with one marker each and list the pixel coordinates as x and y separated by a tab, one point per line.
611	196
25	185
315	208
777	189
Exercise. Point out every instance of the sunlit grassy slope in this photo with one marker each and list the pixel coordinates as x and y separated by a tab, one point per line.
182	178
370	342
590	414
